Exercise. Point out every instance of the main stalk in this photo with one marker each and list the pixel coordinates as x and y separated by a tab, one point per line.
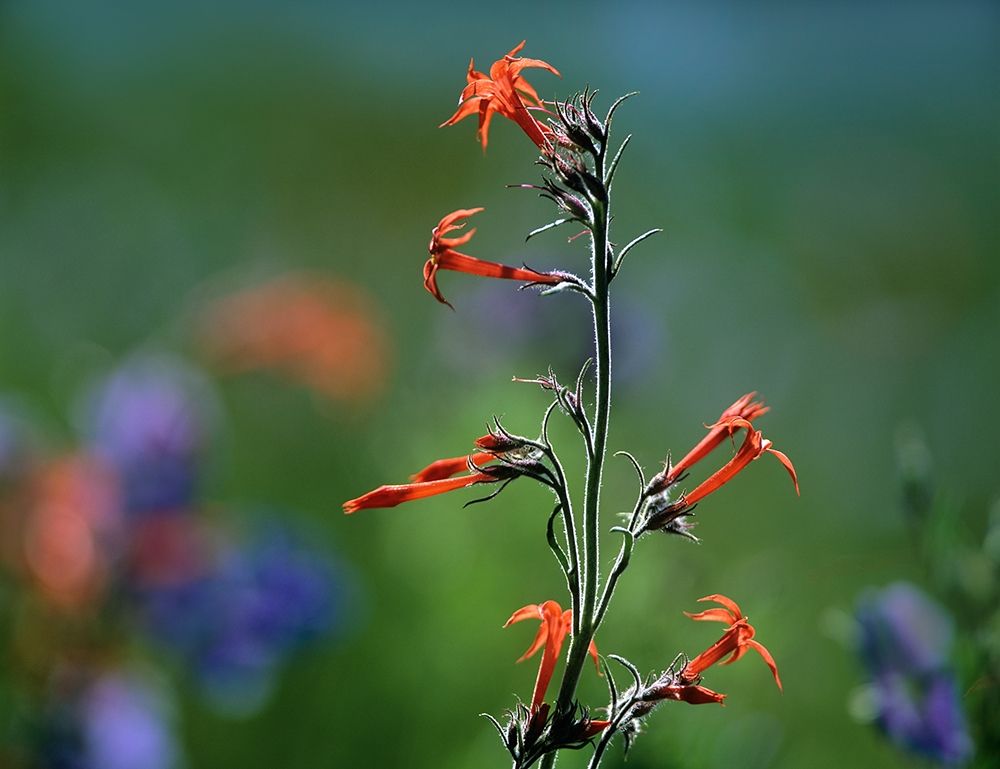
592	499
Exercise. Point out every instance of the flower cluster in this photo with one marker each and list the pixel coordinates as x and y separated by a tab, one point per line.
579	165
681	682
113	535
672	516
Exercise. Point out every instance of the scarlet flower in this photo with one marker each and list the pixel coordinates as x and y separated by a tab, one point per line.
445	468
734	642
690	693
390	496
491	445
744	408
754	445
504	91
556	624
443	256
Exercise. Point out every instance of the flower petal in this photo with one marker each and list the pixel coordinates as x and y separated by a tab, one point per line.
592	651
430	282
783	458
763	652
540	638
468	106
729	603
450	222
712	615
531	611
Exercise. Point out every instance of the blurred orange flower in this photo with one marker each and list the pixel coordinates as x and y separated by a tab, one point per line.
506	92
316	331
72	514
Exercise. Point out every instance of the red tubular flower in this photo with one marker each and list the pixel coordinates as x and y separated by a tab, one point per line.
504	91
734	642
489	445
691	694
743	408
445	468
390	496
443	256
754	445
556	624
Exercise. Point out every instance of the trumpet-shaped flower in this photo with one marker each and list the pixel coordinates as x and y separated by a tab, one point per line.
556	624
443	256
744	408
390	496
754	445
446	468
689	693
504	91
734	642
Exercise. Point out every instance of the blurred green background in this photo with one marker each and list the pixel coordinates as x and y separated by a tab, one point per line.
827	179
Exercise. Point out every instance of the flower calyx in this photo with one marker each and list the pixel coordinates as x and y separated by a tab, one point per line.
577	127
528	735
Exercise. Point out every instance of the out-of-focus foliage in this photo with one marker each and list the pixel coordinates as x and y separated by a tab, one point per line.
826	176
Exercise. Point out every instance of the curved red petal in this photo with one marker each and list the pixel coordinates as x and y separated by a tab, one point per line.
461	240
592	651
729	603
541	637
712	615
430	282
531	611
783	458
766	655
525	63
468	106
451	221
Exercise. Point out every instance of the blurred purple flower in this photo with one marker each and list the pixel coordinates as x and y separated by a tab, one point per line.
117	720
152	419
236	623
126	725
905	644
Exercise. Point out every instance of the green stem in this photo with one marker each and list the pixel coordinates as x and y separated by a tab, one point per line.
570	524
591	504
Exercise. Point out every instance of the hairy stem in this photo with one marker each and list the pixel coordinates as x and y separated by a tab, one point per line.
570	523
591	507
621	562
